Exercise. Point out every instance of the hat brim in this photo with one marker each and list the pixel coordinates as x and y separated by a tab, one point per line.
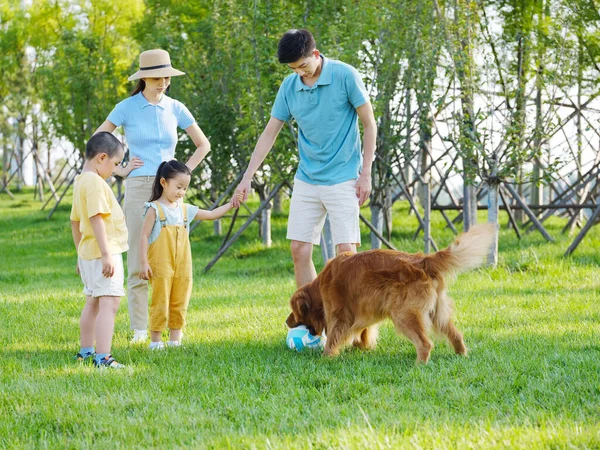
156	73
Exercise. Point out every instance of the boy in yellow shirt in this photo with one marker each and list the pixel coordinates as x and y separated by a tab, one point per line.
100	236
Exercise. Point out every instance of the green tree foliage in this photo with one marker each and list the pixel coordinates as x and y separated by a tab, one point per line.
87	52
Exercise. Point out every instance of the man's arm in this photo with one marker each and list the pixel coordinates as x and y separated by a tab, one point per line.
262	149
108	266
201	143
363	185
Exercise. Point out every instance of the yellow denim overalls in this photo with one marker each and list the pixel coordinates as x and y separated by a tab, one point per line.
170	259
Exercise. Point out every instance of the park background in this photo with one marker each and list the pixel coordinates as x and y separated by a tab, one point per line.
487	111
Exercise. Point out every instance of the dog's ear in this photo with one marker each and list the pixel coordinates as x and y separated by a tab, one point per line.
300	302
304	305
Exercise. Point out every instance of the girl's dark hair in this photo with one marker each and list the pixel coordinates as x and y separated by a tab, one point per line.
141	85
295	44
167	170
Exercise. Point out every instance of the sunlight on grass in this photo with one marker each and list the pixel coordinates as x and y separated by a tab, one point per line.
531	380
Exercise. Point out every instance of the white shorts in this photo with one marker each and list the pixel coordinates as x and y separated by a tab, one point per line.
97	285
311	203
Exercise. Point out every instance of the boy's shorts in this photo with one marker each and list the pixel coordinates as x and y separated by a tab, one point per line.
311	203
97	285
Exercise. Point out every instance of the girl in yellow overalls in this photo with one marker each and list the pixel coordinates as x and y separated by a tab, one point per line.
165	255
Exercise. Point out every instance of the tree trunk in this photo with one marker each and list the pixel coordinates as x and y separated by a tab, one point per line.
218	227
493	208
387	212
278	203
265	224
377	221
427	214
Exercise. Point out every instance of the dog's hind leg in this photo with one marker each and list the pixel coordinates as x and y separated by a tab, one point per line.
455	337
443	323
412	325
367	338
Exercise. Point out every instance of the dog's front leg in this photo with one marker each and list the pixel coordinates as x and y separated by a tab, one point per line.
336	336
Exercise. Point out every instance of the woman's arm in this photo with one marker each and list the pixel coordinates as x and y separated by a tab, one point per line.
149	220
134	163
106	126
201	143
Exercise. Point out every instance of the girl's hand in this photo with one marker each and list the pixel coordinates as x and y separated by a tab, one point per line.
145	271
239	197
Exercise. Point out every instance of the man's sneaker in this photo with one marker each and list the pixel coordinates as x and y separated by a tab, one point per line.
174	344
84	358
157	345
139	336
108	362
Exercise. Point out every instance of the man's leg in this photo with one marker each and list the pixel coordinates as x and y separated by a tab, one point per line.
304	269
305	222
341	248
343	209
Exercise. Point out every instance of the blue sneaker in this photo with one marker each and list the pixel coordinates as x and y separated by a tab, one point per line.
108	362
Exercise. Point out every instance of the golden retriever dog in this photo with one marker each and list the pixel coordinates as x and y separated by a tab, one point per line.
356	291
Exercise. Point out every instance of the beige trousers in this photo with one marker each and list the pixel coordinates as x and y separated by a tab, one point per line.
137	192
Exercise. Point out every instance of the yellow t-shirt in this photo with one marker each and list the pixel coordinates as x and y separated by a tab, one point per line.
92	196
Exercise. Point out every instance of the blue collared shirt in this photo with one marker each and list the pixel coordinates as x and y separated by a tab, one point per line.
328	135
151	130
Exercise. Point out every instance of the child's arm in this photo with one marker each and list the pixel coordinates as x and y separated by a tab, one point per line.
108	266
216	213
76	239
149	220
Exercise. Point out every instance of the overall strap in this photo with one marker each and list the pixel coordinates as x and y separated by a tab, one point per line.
184	212
161	215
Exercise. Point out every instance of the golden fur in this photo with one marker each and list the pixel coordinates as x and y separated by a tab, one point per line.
355	292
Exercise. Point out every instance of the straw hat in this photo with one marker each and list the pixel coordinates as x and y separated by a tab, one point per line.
155	64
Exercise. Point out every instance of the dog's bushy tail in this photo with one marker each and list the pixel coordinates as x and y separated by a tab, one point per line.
467	252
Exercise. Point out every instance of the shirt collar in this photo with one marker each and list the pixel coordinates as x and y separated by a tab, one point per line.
324	77
143	101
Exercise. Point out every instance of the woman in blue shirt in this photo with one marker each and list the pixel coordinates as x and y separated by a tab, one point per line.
150	119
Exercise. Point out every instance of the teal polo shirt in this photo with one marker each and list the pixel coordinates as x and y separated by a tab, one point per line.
329	143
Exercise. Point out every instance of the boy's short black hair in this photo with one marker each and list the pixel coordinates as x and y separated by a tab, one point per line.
103	142
295	44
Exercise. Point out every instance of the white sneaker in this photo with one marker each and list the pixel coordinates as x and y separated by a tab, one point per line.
139	336
157	345
174	344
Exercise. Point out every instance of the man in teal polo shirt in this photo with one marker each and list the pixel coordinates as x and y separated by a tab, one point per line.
326	98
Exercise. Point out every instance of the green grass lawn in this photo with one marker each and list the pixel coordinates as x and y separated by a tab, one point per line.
531	380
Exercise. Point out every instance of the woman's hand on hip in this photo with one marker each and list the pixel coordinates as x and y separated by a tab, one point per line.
134	163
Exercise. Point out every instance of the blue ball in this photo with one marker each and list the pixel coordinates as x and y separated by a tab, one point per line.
299	338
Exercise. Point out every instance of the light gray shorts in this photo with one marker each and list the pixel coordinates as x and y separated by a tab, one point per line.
311	203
